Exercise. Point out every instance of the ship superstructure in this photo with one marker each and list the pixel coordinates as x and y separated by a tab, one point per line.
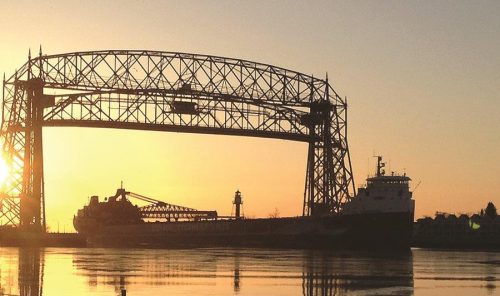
119	210
383	194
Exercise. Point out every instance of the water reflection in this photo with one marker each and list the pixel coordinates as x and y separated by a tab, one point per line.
357	273
236	281
319	272
30	272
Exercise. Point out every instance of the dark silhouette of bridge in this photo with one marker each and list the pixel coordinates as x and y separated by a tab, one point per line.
169	91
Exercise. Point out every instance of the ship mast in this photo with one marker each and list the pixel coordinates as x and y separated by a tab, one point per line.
380	166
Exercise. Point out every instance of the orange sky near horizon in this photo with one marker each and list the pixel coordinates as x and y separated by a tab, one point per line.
422	81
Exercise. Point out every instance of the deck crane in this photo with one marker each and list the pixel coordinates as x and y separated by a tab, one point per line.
160	210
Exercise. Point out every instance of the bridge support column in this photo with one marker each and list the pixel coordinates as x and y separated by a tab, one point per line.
318	194
32	197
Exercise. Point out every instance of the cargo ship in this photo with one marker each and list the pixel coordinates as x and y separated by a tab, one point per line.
379	216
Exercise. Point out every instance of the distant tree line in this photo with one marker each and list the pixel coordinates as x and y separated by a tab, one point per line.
490	211
481	230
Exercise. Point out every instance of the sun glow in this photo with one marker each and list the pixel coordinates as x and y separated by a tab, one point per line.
4	172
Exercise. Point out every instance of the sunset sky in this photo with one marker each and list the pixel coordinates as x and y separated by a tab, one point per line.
422	80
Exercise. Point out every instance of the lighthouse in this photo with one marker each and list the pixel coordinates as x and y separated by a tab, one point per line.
237	204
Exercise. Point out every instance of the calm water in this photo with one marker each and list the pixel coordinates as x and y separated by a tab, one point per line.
64	271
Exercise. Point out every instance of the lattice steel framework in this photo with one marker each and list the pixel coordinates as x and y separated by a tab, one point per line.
169	91
166	211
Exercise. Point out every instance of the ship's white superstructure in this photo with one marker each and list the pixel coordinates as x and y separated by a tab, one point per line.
382	194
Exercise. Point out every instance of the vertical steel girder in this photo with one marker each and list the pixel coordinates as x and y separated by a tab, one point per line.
168	91
326	176
32	191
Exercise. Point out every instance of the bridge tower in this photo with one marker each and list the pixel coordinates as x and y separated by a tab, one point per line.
32	198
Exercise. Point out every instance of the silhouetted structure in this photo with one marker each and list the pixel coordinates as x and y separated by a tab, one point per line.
381	216
237	204
464	231
118	210
169	91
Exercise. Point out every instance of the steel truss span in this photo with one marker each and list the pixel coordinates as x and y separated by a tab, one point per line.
169	91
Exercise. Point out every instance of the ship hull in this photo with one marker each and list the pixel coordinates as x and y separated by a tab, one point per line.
361	231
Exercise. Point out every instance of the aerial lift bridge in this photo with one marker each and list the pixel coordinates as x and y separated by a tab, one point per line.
169	91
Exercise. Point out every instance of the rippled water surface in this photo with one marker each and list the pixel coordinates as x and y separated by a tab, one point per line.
64	271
